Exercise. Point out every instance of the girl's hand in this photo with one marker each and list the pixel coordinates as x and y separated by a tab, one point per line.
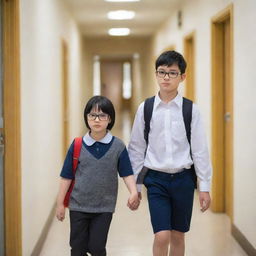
133	201
60	212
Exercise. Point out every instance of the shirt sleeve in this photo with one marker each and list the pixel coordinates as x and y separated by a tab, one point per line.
137	145
67	169
199	150
124	164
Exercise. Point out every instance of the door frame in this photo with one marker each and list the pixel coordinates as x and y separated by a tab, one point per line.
218	189
189	54
65	95
12	128
169	48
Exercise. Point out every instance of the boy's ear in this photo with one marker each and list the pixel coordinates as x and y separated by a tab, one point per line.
183	77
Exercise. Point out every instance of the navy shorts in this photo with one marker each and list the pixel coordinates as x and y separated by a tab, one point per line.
170	199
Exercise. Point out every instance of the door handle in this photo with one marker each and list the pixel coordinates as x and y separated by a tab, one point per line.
1	142
227	117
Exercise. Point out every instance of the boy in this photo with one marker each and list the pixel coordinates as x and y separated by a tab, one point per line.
167	158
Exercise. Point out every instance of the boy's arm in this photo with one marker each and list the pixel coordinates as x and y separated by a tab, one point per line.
201	159
64	186
200	152
137	145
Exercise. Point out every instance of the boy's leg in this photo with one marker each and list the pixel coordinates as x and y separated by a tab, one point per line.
160	211
177	243
161	243
170	199
182	204
98	234
79	226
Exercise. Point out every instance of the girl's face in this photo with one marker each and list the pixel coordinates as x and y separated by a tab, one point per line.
98	121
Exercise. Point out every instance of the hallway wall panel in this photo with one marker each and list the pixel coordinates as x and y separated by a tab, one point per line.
244	123
44	24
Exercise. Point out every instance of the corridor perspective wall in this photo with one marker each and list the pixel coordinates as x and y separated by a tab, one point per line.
196	17
44	24
138	50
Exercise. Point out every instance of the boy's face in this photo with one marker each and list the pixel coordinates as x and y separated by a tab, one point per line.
169	78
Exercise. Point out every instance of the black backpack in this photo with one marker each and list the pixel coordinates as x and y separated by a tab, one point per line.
187	117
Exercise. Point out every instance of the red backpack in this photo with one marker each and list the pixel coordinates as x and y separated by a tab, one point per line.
76	154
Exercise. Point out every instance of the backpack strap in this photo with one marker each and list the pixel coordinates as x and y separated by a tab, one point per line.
76	154
187	107
148	110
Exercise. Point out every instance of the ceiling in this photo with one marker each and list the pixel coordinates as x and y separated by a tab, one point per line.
91	15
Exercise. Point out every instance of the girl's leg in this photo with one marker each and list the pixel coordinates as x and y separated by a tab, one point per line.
79	234
98	234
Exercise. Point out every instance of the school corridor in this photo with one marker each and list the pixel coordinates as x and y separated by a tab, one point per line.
56	54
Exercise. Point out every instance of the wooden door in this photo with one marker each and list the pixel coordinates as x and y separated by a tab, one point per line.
189	54
222	112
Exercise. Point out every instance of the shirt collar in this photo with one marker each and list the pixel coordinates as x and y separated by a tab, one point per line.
89	141
177	100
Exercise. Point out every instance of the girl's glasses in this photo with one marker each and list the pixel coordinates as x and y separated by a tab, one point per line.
101	116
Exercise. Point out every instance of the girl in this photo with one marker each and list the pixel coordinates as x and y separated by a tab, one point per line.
93	198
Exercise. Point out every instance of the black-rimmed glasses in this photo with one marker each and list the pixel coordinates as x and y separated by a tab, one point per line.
171	74
101	116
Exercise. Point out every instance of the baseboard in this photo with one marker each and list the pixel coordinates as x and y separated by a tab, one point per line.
241	239
39	245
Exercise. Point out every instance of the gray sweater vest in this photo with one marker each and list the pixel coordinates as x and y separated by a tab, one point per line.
96	180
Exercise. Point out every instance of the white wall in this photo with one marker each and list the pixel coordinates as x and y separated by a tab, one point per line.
245	123
43	26
197	16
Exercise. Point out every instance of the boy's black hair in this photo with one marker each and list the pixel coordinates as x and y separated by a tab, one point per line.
169	58
101	103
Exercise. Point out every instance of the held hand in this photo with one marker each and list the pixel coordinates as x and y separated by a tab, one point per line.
205	200
133	201
60	212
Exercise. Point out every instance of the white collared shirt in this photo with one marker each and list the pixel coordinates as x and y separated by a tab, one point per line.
168	149
89	141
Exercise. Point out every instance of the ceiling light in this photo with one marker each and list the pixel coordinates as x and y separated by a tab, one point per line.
121	15
122	0
119	31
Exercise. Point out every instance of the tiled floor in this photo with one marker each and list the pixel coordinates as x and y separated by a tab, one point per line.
131	234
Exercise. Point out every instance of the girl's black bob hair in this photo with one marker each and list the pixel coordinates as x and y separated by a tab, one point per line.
103	104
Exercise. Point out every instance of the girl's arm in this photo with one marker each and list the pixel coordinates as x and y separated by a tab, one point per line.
60	209
133	201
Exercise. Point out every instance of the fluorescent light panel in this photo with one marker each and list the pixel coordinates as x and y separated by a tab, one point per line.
119	31
121	15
